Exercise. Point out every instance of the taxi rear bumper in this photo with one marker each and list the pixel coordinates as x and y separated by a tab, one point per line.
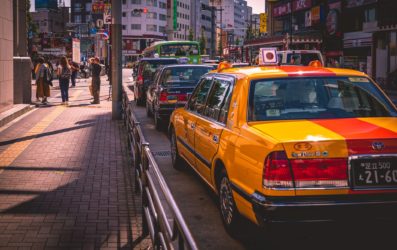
322	208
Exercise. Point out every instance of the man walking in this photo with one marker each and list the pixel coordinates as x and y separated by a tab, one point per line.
96	80
75	69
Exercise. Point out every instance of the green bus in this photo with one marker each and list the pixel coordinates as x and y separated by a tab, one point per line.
175	49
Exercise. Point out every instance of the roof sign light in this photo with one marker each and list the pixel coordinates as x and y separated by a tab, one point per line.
268	56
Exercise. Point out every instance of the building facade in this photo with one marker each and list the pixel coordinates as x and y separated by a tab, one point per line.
143	22
201	23
6	56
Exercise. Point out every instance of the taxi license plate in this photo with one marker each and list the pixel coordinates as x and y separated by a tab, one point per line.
374	172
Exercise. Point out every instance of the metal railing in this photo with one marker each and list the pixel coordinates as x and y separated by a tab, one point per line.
166	232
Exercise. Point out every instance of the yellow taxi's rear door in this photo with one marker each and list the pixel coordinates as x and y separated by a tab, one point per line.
210	124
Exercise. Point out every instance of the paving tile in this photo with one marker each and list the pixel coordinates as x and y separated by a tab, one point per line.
64	183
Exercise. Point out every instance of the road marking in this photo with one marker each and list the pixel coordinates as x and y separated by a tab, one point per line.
16	149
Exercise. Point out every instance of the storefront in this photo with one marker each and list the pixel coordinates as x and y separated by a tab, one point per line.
333	40
357	51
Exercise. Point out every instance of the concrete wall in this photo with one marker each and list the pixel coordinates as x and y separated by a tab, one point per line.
6	55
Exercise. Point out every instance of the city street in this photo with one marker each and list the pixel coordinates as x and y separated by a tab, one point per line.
198	125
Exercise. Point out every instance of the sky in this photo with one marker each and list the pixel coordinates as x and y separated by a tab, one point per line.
258	6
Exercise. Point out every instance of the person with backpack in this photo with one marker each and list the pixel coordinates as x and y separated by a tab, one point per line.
43	76
64	74
75	69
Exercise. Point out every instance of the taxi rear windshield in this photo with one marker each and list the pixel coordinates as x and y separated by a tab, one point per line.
316	98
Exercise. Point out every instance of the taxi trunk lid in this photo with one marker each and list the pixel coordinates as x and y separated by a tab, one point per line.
329	153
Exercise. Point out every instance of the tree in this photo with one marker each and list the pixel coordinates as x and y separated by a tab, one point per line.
190	36
203	42
32	27
237	41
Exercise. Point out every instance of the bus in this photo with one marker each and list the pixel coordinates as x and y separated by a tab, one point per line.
175	49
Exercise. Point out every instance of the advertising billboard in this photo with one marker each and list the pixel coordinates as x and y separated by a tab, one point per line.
46	4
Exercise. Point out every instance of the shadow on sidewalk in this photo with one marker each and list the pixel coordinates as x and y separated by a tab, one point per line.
3	143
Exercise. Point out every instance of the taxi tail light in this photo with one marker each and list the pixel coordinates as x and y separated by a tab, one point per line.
277	171
167	97
163	96
312	173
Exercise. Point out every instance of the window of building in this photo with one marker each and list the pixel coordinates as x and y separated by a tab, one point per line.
77	7
370	15
123	27
162	29
124	1
162	5
77	18
88	7
124	14
162	17
151	15
88	18
136	1
151	3
136	14
136	26
151	27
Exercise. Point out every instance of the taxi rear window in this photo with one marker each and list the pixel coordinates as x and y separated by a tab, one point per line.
316	98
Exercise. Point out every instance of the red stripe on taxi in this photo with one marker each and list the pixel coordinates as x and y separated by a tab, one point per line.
301	71
360	135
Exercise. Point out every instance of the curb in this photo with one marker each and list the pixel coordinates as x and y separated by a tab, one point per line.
14	112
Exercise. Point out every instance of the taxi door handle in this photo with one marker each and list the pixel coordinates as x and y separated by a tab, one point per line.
215	139
192	125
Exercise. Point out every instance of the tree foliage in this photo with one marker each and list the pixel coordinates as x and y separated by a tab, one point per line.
32	27
203	42
190	36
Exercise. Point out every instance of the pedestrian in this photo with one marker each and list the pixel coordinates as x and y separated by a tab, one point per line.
96	80
64	74
42	81
75	69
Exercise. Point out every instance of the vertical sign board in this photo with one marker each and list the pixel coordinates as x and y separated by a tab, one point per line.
263	23
175	14
76	50
107	14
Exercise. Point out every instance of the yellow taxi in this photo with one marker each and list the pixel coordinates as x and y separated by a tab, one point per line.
290	143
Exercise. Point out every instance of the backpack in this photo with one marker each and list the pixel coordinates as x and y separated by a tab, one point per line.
48	76
66	73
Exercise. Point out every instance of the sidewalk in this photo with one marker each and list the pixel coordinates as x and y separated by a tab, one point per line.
65	178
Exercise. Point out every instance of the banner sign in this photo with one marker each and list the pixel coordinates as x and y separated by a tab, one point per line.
301	4
357	3
263	22
281	10
98	7
174	14
107	14
76	50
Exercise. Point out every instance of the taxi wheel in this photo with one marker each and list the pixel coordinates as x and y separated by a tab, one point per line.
177	161
230	216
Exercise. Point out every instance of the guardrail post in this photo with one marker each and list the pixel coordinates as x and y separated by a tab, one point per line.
144	167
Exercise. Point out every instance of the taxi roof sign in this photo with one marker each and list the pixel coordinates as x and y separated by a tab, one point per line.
268	56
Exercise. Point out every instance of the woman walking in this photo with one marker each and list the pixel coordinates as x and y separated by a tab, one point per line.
43	88
64	73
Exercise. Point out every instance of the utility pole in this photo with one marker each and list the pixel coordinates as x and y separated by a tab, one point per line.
116	79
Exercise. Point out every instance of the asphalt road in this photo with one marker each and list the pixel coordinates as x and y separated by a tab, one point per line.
199	208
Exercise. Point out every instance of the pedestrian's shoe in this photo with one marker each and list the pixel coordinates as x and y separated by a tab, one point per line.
94	102
44	101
